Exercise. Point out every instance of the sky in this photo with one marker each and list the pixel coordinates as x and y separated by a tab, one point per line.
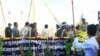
18	11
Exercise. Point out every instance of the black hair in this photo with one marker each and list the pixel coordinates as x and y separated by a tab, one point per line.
46	26
92	29
27	23
15	23
33	25
9	24
83	18
63	22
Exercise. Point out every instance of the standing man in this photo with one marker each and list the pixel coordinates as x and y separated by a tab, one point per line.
8	31
84	25
25	30
90	46
62	31
15	31
45	31
33	30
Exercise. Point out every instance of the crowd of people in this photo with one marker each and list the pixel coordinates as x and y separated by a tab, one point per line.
90	46
28	29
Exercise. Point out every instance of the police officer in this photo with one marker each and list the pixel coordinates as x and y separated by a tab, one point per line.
8	31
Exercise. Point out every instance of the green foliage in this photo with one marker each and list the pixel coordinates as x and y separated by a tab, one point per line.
68	46
1	47
48	52
29	51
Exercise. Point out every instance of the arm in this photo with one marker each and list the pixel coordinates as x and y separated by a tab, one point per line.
5	32
78	45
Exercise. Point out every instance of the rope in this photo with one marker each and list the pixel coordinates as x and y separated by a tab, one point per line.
2	13
51	12
29	11
33	11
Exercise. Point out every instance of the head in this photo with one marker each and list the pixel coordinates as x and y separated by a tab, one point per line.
64	25
46	26
34	25
27	24
15	24
9	24
83	20
91	30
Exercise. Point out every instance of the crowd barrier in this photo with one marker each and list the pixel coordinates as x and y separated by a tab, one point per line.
36	46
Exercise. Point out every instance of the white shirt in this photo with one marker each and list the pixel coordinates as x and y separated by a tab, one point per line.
24	31
90	47
46	32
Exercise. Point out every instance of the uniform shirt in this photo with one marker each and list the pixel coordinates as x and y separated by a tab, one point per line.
90	47
15	32
61	33
84	26
33	32
8	32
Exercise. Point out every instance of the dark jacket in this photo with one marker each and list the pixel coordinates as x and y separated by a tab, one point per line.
59	33
8	32
33	32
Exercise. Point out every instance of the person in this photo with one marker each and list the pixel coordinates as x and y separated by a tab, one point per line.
8	31
15	31
45	31
25	30
90	46
84	25
69	32
57	26
62	31
33	29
